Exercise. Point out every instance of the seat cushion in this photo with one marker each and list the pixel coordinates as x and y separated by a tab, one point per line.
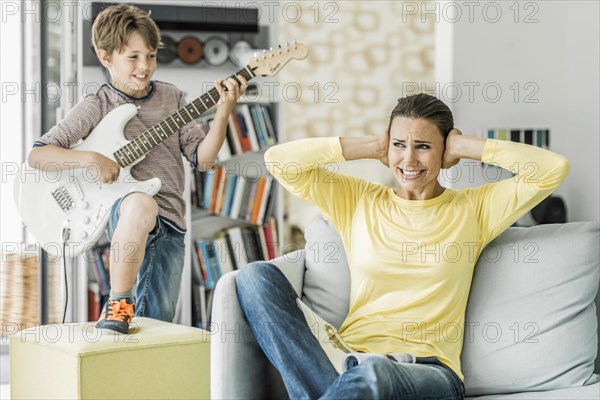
531	322
590	392
327	278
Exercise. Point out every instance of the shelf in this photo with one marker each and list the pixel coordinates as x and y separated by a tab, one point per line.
206	225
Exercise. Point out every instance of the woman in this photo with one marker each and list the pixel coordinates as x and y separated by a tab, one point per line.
411	252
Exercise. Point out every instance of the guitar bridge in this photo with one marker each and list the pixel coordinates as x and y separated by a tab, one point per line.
64	199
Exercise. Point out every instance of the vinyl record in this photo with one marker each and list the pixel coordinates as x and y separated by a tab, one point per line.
168	53
241	53
216	51
190	50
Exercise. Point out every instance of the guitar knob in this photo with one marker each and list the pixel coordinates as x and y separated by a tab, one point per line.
86	220
85	205
83	234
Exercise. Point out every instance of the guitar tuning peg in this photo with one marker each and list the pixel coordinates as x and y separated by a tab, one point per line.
279	45
255	54
270	49
295	42
264	51
287	44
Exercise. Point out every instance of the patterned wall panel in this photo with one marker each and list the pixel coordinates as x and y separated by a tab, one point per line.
361	53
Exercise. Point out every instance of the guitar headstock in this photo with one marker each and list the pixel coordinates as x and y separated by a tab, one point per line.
269	63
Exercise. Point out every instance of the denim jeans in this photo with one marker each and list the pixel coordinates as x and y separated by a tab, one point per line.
159	277
269	304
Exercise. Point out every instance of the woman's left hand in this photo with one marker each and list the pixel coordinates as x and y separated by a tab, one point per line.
450	157
227	99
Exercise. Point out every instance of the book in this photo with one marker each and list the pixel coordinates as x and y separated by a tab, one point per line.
237	197
237	248
259	124
251	244
260	190
262	207
228	195
224	254
199	317
94	301
234	133
269	124
244	111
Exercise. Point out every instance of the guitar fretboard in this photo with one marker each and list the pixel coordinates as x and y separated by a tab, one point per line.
139	147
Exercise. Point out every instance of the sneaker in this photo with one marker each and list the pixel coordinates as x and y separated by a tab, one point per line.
116	315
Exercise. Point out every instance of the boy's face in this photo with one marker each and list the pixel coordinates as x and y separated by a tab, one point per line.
132	69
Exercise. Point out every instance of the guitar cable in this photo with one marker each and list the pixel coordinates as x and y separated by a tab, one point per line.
66	234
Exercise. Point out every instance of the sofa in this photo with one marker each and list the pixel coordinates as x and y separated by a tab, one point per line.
531	324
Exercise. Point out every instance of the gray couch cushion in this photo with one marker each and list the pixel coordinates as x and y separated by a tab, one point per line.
590	392
327	279
531	322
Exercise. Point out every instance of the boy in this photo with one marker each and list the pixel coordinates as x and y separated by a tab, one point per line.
146	233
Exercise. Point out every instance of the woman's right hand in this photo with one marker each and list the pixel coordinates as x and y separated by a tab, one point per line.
384	143
107	169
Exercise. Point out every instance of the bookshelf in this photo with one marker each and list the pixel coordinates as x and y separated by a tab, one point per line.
194	80
236	214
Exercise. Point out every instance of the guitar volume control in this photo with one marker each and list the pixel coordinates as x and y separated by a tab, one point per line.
85	220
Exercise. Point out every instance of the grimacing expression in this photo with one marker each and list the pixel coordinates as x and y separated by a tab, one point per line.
415	152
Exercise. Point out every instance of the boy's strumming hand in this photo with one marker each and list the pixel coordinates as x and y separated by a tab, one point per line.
227	99
109	169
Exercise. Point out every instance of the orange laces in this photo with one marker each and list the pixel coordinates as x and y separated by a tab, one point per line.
120	310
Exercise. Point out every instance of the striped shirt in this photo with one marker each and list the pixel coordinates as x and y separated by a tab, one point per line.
163	162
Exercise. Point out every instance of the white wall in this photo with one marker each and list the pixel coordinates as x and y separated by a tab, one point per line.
11	119
554	61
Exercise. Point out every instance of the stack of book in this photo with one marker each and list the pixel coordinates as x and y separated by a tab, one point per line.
250	128
233	249
234	196
99	288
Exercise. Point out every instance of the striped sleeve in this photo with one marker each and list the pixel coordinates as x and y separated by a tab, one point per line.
190	136
77	125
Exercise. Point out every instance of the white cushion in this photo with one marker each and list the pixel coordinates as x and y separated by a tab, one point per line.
531	322
327	278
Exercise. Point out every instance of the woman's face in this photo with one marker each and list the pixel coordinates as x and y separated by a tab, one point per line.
415	155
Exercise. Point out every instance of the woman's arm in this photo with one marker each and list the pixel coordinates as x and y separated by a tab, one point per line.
459	146
356	148
303	167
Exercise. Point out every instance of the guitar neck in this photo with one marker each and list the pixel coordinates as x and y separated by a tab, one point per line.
143	144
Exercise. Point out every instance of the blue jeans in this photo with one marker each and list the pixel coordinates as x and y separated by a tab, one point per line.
159	278
269	304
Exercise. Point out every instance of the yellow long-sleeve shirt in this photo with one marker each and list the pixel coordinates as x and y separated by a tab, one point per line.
411	261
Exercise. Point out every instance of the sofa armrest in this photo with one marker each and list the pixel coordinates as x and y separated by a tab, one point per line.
292	266
233	347
238	367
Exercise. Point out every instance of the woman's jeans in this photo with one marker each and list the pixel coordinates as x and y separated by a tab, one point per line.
269	303
159	278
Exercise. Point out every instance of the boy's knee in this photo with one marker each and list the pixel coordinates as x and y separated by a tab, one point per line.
139	206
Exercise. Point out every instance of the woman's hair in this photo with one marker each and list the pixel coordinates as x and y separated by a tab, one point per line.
114	25
427	107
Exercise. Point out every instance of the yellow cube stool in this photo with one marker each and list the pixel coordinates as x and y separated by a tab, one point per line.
156	360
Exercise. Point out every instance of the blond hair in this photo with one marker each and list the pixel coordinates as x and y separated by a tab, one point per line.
114	25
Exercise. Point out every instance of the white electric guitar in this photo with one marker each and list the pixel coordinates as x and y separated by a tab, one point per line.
72	207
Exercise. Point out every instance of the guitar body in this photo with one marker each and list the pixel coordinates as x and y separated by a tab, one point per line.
50	200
